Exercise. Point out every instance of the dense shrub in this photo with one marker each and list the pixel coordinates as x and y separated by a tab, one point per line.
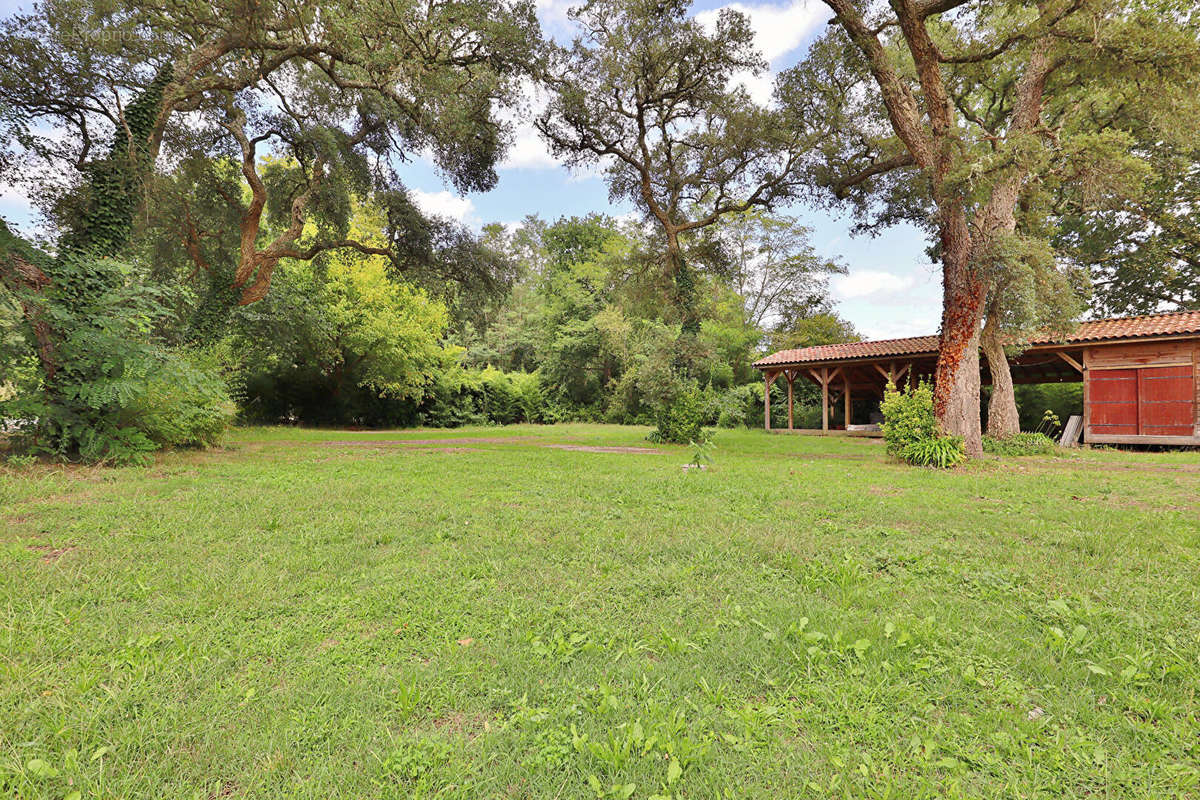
911	432
1020	444
482	397
907	417
682	419
117	393
183	403
739	406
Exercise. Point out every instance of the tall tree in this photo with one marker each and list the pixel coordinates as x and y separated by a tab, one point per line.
895	91
337	90
647	93
1143	250
771	264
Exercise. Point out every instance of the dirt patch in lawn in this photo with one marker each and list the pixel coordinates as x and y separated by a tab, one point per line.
439	443
457	723
226	789
50	553
584	448
1043	463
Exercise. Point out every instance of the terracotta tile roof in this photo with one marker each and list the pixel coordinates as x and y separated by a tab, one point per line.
1149	326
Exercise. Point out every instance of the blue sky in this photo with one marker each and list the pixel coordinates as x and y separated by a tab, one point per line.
891	290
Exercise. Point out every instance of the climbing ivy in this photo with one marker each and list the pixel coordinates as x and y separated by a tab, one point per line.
112	188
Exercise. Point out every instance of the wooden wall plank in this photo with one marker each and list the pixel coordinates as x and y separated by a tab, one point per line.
1140	354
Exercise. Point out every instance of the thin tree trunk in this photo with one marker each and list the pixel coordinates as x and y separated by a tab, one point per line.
1003	420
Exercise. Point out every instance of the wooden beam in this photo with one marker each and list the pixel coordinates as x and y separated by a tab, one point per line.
1070	361
884	372
1087	394
767	380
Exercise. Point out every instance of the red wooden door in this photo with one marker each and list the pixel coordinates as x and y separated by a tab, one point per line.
1113	397
1166	401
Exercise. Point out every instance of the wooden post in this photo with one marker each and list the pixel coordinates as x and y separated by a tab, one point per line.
766	400
847	378
824	398
791	379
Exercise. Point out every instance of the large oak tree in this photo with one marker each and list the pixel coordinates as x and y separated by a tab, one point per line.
946	112
651	96
336	91
313	104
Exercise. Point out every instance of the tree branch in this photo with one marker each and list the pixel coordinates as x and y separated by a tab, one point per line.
841	188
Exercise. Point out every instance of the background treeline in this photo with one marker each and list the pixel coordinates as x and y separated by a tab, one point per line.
574	323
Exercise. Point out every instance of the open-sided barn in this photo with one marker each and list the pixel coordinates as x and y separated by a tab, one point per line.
1141	375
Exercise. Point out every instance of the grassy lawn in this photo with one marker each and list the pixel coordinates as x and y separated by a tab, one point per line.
326	614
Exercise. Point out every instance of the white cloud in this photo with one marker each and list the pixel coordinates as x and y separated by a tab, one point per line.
867	282
898	329
778	30
443	204
553	14
528	150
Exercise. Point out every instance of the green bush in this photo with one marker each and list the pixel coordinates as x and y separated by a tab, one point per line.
740	406
941	452
907	417
682	420
486	397
910	430
1020	444
117	393
182	404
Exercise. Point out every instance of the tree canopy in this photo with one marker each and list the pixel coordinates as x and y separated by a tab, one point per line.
335	93
649	95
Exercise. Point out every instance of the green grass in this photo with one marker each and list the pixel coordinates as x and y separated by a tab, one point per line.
326	614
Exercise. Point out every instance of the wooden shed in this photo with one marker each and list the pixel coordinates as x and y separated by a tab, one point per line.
1141	375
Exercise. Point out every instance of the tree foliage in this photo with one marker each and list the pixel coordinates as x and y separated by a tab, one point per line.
648	94
335	93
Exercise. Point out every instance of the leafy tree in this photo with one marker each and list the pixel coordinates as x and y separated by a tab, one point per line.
337	92
190	238
1142	251
943	112
648	94
328	339
810	325
578	359
771	263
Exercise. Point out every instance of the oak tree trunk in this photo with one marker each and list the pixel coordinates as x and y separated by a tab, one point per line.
956	380
1003	420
